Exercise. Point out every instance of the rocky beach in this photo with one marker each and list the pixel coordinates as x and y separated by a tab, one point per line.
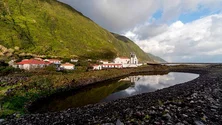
195	102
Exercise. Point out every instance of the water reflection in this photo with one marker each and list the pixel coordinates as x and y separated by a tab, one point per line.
145	83
113	90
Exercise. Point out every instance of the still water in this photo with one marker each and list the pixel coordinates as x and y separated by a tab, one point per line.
122	88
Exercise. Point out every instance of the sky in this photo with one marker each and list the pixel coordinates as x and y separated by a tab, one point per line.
175	30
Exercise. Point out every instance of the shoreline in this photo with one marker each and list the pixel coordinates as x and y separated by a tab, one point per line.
191	105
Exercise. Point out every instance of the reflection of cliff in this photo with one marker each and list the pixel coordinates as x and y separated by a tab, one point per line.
90	95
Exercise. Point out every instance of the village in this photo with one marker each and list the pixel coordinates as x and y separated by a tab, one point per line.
60	65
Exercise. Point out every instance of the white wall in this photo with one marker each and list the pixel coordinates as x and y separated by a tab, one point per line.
68	67
121	61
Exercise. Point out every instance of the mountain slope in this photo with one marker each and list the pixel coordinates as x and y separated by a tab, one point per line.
125	45
49	27
156	58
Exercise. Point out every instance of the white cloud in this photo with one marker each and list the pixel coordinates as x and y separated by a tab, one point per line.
195	41
122	15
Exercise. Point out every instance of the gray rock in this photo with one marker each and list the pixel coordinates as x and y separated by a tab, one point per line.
214	107
108	124
118	122
185	116
1	120
179	123
167	116
191	101
198	123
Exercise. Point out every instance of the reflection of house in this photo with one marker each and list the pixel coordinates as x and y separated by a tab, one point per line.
29	64
54	61
131	79
67	66
112	65
97	67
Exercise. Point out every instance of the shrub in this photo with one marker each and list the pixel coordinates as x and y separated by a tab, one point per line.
5	70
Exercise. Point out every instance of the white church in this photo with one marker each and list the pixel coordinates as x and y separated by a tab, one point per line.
118	63
127	62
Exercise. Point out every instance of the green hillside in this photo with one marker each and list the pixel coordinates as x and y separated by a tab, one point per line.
49	27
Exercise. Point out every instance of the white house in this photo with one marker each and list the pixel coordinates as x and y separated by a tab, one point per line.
112	65
74	60
97	67
28	64
12	63
121	60
54	61
67	66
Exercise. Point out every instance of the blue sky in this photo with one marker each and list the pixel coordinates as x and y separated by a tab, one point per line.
176	30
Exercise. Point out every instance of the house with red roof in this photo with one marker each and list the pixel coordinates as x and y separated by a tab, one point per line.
29	64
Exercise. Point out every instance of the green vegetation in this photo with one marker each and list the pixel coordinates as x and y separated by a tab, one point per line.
4	70
51	28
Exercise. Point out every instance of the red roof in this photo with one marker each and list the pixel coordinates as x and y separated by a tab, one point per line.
32	61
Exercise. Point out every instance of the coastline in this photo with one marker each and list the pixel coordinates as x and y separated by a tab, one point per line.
194	102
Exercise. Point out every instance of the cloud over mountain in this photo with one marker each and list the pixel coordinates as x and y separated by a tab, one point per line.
195	41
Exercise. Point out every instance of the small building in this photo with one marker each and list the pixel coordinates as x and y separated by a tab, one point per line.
67	66
53	61
112	66
104	61
12	63
96	67
74	60
29	64
121	60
